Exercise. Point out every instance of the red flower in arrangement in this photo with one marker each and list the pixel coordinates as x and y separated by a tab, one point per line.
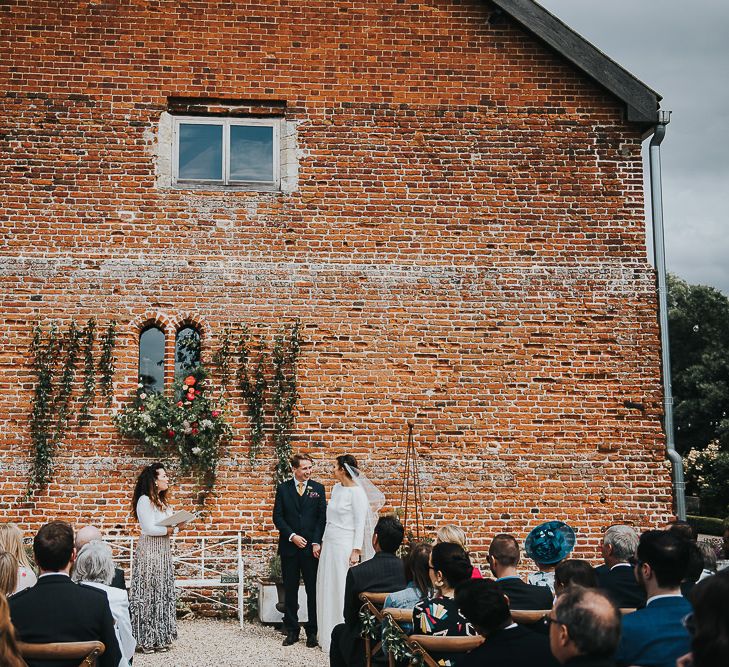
179	404
197	392
170	433
195	431
215	413
190	380
141	408
190	396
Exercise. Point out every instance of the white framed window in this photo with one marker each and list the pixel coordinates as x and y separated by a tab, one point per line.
227	151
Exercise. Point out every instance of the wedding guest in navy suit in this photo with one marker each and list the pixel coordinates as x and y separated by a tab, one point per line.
58	610
617	577
503	559
655	635
487	609
584	628
382	573
299	513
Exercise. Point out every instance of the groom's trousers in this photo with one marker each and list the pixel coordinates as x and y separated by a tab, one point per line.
301	565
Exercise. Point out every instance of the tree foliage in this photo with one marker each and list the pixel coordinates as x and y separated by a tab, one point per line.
699	342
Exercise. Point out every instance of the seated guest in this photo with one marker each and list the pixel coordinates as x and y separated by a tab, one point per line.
487	609
9	653
95	566
454	535
724	553
548	545
683	529
382	573
92	534
654	636
709	623
574	572
709	559
11	541
439	615
417	574
617	578
56	609
694	570
8	573
584	628
503	559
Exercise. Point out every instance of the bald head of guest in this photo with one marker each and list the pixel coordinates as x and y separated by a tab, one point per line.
87	534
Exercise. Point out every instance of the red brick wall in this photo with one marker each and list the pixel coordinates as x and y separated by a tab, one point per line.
465	250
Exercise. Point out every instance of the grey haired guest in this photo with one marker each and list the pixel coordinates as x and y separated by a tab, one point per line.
88	534
616	576
95	567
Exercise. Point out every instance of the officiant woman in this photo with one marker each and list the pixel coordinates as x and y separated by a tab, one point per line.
152	598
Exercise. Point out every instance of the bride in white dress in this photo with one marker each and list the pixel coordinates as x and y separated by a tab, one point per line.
348	535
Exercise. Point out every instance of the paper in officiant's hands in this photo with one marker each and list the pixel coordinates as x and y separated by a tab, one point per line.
183	516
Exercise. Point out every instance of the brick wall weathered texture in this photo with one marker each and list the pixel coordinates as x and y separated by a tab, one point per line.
465	249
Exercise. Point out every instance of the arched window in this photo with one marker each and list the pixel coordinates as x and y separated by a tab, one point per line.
152	359
187	350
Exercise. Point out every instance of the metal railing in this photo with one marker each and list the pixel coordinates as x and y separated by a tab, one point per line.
213	560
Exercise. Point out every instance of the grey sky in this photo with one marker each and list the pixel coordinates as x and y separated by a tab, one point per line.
681	50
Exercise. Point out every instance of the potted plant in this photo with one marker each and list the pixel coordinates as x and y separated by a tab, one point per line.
271	594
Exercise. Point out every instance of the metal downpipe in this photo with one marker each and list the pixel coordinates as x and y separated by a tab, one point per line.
659	254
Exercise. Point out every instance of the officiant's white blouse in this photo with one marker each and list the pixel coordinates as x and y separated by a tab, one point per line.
149	517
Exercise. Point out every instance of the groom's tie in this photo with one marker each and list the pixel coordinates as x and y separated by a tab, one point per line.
300	488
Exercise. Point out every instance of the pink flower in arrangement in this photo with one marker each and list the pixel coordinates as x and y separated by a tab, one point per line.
190	396
190	380
216	413
179	404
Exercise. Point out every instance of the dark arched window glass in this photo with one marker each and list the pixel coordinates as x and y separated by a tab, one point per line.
152	359
187	350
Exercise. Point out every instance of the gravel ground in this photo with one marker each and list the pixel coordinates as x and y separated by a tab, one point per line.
211	643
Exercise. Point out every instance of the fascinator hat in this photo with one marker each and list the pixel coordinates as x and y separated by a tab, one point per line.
550	542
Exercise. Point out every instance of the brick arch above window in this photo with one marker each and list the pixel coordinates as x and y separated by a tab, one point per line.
151	319
190	320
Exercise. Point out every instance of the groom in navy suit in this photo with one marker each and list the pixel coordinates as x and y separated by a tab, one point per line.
300	514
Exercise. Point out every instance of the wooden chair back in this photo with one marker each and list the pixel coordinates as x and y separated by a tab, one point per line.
377	599
86	652
528	616
424	645
399	615
373	603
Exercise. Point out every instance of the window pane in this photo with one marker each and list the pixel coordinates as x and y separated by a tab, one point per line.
187	351
152	359
251	153
201	152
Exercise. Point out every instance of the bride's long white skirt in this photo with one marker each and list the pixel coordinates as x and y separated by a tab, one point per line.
336	549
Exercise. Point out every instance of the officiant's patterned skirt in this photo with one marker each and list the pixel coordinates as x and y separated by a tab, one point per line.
152	598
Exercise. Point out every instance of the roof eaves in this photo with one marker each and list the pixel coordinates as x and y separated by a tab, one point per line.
641	102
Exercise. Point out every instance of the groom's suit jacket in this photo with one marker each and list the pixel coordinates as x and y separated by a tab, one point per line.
304	515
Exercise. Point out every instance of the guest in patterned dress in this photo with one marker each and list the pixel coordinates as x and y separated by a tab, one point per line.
439	615
152	598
